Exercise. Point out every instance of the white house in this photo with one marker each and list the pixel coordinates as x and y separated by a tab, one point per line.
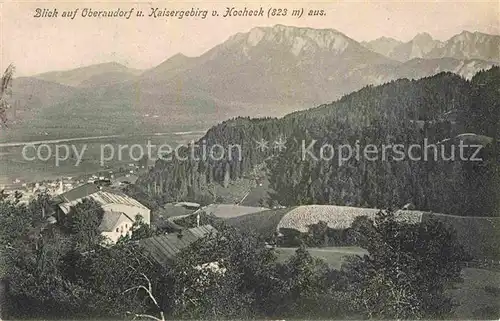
115	224
120	210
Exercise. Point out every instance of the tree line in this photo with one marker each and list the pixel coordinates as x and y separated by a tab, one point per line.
65	272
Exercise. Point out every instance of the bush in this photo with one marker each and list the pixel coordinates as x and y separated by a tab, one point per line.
407	271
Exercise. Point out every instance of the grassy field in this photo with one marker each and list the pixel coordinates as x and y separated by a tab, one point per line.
249	190
333	256
263	223
235	191
478	297
258	194
228	211
13	164
480	236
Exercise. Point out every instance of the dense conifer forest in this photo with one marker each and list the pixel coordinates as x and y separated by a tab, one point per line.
438	110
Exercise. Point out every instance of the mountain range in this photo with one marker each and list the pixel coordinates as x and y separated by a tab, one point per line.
466	45
94	75
268	71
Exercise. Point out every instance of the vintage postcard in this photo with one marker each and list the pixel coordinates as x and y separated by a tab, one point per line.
249	160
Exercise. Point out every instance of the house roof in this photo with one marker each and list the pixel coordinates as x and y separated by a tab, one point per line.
164	248
163	223
110	219
104	198
79	192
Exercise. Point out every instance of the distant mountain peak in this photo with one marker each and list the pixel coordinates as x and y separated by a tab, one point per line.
262	72
297	39
423	36
86	74
468	35
109	63
467	32
472	45
383	45
387	39
179	55
255	36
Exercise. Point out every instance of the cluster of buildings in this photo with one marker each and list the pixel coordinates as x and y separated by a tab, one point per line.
120	211
29	191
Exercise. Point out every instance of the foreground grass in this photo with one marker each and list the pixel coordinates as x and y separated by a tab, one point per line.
333	256
480	236
263	223
477	298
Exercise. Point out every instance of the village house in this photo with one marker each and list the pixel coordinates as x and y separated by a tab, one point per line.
120	210
115	225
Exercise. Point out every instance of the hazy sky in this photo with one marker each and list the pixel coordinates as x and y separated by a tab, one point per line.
37	45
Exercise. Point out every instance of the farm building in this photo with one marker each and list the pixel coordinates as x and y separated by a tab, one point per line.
164	248
115	224
120	210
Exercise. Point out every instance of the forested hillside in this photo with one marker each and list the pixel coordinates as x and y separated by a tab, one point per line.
438	109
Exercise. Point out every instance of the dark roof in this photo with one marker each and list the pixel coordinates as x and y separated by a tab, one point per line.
162	223
104	197
164	248
79	192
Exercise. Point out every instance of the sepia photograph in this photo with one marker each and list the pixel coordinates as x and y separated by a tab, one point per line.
281	160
